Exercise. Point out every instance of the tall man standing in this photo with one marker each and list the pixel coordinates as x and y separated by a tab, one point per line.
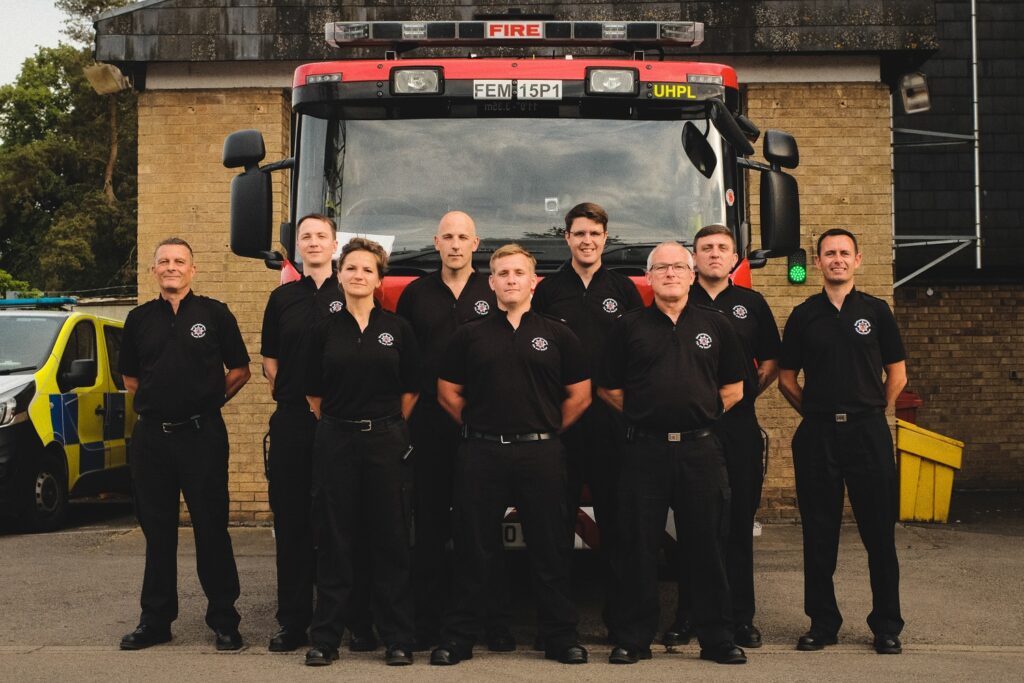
435	305
672	369
738	430
514	380
843	340
174	353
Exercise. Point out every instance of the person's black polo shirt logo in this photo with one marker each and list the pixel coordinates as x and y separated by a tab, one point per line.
610	305
481	307
198	331
862	326
386	339
539	343
335	306
740	311
704	341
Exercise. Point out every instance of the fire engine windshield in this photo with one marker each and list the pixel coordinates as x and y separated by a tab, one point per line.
393	179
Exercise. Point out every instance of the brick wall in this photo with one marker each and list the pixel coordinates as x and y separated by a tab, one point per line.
184	191
964	354
843	134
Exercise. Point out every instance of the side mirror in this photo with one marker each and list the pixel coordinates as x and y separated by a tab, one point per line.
698	149
244	149
780	215
780	149
251	213
81	374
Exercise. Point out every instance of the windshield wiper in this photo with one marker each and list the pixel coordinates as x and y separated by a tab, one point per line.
11	371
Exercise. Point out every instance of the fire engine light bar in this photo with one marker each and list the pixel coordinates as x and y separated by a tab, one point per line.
514	32
611	81
416	81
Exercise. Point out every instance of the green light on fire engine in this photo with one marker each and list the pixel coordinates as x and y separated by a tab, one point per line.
796	269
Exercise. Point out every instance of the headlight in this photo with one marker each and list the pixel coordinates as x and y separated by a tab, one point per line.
14	404
416	81
611	81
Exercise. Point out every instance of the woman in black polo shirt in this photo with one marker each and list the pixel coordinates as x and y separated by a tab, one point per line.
361	384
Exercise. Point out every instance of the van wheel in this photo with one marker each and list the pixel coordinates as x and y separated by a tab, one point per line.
47	494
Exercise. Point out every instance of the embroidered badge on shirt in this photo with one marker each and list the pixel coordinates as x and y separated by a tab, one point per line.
335	306
481	307
539	343
386	339
198	330
704	340
740	311
862	326
610	305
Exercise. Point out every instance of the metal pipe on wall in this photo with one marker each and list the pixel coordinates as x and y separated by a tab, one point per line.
977	134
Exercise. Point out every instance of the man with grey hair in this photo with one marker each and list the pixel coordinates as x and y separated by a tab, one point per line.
672	369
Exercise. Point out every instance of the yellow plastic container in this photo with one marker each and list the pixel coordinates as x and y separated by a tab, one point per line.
927	461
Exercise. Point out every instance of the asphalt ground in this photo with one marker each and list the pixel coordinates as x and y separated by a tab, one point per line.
69	596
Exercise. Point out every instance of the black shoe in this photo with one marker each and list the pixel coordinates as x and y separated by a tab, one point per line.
726	653
679	633
747	635
447	655
501	641
227	639
574	654
888	644
287	640
145	636
813	641
396	655
628	655
321	655
365	641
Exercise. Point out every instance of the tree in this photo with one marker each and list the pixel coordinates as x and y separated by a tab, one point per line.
9	284
68	173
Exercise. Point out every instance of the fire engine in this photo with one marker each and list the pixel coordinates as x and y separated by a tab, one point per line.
525	124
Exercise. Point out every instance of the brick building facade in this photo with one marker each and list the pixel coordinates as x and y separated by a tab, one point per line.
811	68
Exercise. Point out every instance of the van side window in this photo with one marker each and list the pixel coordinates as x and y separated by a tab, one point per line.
112	335
81	345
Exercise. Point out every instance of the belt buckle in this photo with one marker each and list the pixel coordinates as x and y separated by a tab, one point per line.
841	417
501	439
368	423
675	436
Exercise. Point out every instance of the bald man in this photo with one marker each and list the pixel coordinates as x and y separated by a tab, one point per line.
435	305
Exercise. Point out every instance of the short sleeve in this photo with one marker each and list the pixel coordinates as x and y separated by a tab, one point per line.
315	362
409	361
270	336
889	341
128	359
731	364
453	361
233	351
612	367
792	354
574	364
767	344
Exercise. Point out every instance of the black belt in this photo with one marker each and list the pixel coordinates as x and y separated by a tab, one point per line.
367	425
509	438
672	437
844	417
194	423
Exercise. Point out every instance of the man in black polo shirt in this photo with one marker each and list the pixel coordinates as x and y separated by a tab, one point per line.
173	354
738	430
843	340
435	305
513	380
291	313
672	369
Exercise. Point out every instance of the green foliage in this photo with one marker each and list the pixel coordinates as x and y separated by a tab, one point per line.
9	284
58	228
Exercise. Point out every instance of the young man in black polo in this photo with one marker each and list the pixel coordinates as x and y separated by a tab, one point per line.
845	340
590	298
435	305
174	352
672	369
738	430
514	380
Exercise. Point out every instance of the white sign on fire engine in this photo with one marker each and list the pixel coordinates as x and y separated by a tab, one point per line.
502	89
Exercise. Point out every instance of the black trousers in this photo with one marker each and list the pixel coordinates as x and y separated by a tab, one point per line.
292	428
361	484
193	462
741	438
592	458
690	477
436	438
489	477
859	454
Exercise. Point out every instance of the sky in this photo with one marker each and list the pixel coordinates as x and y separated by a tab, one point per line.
28	24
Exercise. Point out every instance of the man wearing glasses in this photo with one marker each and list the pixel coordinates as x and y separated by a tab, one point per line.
672	369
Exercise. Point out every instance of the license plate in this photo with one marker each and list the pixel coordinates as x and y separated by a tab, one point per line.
512	535
503	89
